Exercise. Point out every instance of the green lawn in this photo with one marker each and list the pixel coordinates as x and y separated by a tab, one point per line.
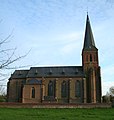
56	114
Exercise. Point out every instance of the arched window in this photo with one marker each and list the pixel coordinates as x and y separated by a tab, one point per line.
90	58
94	57
64	89
77	88
51	88
87	58
33	92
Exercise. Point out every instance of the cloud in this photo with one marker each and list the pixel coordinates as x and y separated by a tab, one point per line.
107	78
108	73
68	48
71	42
71	36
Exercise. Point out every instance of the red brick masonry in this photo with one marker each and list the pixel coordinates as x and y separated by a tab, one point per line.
45	105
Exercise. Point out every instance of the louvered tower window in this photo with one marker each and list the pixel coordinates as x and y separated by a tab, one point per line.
90	57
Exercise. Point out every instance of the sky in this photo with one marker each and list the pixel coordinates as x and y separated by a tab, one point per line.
51	33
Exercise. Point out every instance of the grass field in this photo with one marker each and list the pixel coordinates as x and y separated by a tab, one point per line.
56	114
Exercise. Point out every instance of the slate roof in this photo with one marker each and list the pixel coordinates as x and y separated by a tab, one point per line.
89	42
19	74
58	71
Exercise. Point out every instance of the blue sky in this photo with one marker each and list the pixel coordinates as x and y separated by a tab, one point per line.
54	32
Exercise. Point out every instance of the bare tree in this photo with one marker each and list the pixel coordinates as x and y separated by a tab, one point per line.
2	90
111	91
109	97
106	98
8	55
7	58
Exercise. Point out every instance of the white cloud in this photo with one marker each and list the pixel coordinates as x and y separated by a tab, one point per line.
108	72
106	85
71	42
69	37
68	48
107	78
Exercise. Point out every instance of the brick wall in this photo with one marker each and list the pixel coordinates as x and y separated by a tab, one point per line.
53	105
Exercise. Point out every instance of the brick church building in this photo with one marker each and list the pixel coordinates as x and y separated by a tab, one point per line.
60	84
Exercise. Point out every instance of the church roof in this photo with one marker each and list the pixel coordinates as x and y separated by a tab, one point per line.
89	42
58	71
19	74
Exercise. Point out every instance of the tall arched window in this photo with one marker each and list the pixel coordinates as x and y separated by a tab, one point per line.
77	88
64	89
87	58
90	57
94	57
33	92
51	88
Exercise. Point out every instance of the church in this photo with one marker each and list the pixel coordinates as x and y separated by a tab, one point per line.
60	84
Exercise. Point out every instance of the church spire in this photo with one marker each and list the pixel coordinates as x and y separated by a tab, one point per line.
88	40
90	63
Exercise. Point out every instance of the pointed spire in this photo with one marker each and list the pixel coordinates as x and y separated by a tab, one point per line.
88	40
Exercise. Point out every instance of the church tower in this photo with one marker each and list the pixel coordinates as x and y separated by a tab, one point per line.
91	66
